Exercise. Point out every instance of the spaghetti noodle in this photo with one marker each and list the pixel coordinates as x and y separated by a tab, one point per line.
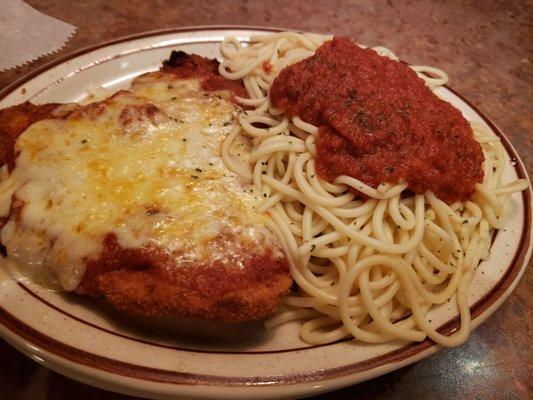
367	266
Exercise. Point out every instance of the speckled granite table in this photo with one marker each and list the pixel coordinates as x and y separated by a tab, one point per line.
486	47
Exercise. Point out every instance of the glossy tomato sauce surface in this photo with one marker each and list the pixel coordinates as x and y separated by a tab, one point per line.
378	122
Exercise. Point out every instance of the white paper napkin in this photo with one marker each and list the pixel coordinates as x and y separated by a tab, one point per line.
26	34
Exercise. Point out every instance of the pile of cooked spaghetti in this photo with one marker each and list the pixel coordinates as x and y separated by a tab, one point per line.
369	262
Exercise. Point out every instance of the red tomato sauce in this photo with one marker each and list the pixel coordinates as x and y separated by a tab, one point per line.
267	67
378	122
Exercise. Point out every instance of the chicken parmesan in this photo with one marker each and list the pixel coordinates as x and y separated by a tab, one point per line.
129	199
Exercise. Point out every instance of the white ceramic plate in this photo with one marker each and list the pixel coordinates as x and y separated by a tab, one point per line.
175	359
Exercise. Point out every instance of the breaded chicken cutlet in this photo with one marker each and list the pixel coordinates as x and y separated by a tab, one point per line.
129	199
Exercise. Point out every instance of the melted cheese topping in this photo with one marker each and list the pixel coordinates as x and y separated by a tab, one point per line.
145	165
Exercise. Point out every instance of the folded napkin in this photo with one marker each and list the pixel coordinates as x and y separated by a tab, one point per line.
26	34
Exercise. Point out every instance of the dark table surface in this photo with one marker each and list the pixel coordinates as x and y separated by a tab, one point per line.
485	47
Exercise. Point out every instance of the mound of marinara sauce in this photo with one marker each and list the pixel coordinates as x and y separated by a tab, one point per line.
378	122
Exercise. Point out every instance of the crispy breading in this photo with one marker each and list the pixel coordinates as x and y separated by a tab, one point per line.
147	282
14	120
